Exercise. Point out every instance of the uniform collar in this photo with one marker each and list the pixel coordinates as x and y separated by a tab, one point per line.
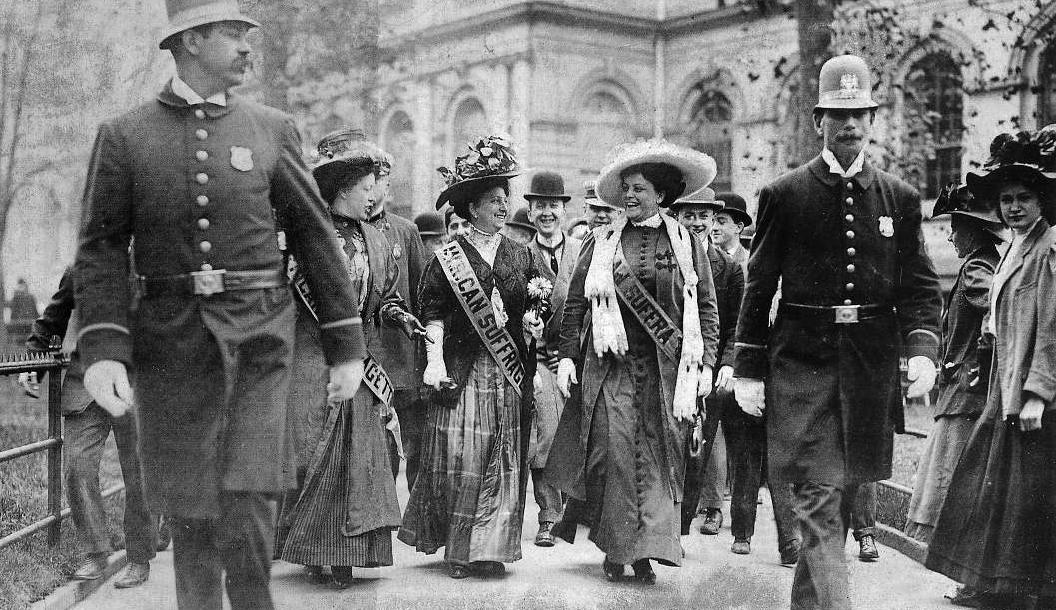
182	89
836	168
820	168
170	97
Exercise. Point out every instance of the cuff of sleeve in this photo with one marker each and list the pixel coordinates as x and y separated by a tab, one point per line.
568	351
105	344
922	343
751	361
343	343
1041	386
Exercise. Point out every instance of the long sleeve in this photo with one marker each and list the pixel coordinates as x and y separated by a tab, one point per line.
56	316
734	293
707	306
764	270
1041	377
416	260
393	305
575	305
919	298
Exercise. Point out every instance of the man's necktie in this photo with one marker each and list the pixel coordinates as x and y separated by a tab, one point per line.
553	261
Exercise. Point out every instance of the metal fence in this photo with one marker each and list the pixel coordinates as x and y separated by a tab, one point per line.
50	365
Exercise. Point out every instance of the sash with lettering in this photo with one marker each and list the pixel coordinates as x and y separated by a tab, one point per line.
650	315
477	305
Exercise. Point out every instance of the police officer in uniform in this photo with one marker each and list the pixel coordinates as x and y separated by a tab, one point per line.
196	180
858	291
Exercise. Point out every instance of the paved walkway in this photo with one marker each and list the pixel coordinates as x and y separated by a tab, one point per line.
570	576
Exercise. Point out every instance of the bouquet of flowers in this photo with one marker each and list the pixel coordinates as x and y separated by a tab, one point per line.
540	290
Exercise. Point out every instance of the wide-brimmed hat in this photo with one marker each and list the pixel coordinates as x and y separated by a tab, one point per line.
520	219
548	185
490	158
735	205
339	150
957	200
430	224
845	82
1029	157
705	196
187	14
697	169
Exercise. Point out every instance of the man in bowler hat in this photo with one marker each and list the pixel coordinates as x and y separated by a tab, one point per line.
197	180
555	255
858	291
431	230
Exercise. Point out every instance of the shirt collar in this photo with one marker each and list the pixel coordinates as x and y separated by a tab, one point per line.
560	242
189	95
836	168
653	222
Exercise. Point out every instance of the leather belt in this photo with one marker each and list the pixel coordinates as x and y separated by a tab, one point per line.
205	283
836	314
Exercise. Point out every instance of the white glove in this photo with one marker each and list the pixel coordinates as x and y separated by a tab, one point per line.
107	382
344	381
750	394
724	379
704	381
533	325
435	369
921	374
566	376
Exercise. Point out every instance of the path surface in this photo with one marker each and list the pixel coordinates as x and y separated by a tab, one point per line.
570	576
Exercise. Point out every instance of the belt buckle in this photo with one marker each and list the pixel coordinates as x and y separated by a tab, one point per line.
846	314
208	282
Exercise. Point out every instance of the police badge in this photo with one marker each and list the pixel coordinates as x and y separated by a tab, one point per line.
887	226
241	158
396	251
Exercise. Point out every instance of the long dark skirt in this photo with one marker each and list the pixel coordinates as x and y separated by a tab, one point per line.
467	496
997	528
631	506
946	442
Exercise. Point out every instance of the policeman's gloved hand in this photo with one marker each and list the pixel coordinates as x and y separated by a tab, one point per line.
750	394
107	382
921	373
344	381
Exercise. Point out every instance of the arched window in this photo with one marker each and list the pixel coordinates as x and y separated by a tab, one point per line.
606	121
1047	86
469	125
399	142
933	117
710	130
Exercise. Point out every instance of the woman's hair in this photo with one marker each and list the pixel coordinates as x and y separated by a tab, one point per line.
342	176
665	178
472	192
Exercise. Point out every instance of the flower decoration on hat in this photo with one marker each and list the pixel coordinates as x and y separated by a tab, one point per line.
345	145
1027	155
490	156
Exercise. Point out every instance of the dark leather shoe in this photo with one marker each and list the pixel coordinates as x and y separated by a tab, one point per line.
488	568
135	575
458	571
343	577
545	537
790	554
314	575
92	568
643	572
867	550
164	535
741	546
712	522
613	571
964	596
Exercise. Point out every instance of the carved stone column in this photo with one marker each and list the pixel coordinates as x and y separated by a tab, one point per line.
520	106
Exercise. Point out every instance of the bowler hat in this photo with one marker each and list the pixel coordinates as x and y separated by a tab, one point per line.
704	196
845	83
520	219
187	14
549	185
430	224
734	205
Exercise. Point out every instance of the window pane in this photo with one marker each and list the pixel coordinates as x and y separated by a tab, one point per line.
1047	87
933	116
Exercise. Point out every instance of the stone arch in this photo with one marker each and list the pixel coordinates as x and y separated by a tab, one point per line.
466	118
710	77
710	107
607	115
1038	42
611	80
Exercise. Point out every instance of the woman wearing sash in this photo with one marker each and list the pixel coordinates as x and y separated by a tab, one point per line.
469	495
643	292
345	508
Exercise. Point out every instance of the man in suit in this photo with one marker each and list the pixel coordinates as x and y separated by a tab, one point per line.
397	351
729	224
555	256
858	292
197	179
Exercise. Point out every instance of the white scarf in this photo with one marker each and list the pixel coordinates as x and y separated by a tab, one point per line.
609	333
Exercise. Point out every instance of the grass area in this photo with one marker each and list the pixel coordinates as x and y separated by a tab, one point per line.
909	449
29	570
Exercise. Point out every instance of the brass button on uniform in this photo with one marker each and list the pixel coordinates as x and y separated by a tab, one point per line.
201	155
851	252
205	246
203	223
846	301
849	200
850	234
201	200
202	177
199	113
849	218
850	268
850	185
849	286
201	134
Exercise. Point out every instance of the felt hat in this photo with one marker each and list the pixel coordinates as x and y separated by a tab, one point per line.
490	158
430	224
696	168
735	206
1029	157
957	200
591	196
520	219
339	150
845	83
705	196
549	185
187	14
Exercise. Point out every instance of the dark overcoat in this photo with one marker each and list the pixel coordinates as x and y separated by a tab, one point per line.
200	187
833	390
963	379
728	277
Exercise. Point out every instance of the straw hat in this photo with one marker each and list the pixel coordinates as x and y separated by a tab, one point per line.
705	196
697	169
